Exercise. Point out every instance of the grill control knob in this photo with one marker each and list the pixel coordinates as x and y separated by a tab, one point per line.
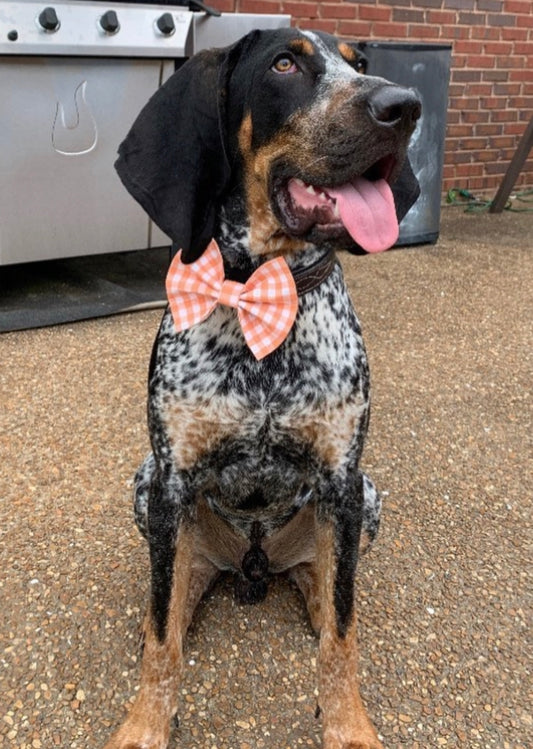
165	24
109	22
48	19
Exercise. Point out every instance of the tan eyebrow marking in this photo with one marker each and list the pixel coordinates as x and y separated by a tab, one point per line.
302	46
349	53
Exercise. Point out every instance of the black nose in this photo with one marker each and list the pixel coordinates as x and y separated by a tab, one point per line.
394	106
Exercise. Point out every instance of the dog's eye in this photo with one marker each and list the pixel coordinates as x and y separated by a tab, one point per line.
361	65
284	65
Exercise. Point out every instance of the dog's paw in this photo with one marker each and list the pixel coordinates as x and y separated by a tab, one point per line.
137	738
336	740
372	744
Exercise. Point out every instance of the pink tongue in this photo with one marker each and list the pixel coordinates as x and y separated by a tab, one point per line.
368	213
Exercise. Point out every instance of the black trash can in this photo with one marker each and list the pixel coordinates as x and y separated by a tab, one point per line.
425	68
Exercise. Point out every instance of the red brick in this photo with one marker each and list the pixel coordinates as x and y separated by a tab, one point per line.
506	115
515	128
522	48
467	170
487	154
502	141
259	6
493	102
498	48
452	118
423	32
460	130
524	21
520	75
480	61
493	5
226	6
478	89
520	102
472	19
301	10
330	26
484	32
390	30
396	3
338	10
406	15
501	19
464	103
355	29
475	117
499	167
517	6
495	75
486	129
515	34
367	13
465	75
441	17
458	61
460	4
468	46
458	32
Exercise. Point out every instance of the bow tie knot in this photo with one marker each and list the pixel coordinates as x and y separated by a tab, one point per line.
230	293
266	304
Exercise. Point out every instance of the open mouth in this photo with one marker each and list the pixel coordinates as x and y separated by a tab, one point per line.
363	207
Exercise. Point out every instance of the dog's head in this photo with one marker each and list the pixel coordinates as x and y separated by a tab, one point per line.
284	126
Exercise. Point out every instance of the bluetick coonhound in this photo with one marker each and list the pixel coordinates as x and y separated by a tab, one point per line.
275	147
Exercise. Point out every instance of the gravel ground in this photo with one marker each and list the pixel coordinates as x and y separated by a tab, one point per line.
444	598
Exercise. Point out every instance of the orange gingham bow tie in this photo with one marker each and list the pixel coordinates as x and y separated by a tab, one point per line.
266	304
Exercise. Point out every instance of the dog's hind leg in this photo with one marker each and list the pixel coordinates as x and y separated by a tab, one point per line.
346	724
179	578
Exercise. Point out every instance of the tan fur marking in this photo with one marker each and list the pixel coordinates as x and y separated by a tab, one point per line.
349	53
302	46
293	544
330	430
197	428
148	723
345	721
266	236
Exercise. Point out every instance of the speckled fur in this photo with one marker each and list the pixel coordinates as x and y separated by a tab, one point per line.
255	464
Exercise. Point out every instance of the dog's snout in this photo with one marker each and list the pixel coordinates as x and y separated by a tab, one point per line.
394	106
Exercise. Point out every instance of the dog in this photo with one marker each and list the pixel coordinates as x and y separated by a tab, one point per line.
265	157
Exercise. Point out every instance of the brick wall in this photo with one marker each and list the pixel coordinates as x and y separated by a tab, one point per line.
491	84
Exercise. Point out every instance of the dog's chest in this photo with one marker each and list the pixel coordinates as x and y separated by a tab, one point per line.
230	418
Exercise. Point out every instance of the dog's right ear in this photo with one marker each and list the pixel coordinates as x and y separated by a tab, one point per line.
174	160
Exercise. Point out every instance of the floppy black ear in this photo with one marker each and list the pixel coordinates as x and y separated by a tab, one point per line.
405	190
173	161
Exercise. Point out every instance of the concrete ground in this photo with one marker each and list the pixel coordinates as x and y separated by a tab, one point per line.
444	598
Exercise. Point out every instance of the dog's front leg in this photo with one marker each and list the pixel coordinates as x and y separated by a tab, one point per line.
346	724
174	581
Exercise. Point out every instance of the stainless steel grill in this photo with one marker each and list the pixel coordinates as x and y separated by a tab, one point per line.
73	77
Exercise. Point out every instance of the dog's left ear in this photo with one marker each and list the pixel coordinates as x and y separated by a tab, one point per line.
174	160
405	190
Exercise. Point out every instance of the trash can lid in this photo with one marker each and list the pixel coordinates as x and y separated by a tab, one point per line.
405	46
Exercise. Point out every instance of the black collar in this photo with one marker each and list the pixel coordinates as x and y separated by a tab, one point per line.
305	279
